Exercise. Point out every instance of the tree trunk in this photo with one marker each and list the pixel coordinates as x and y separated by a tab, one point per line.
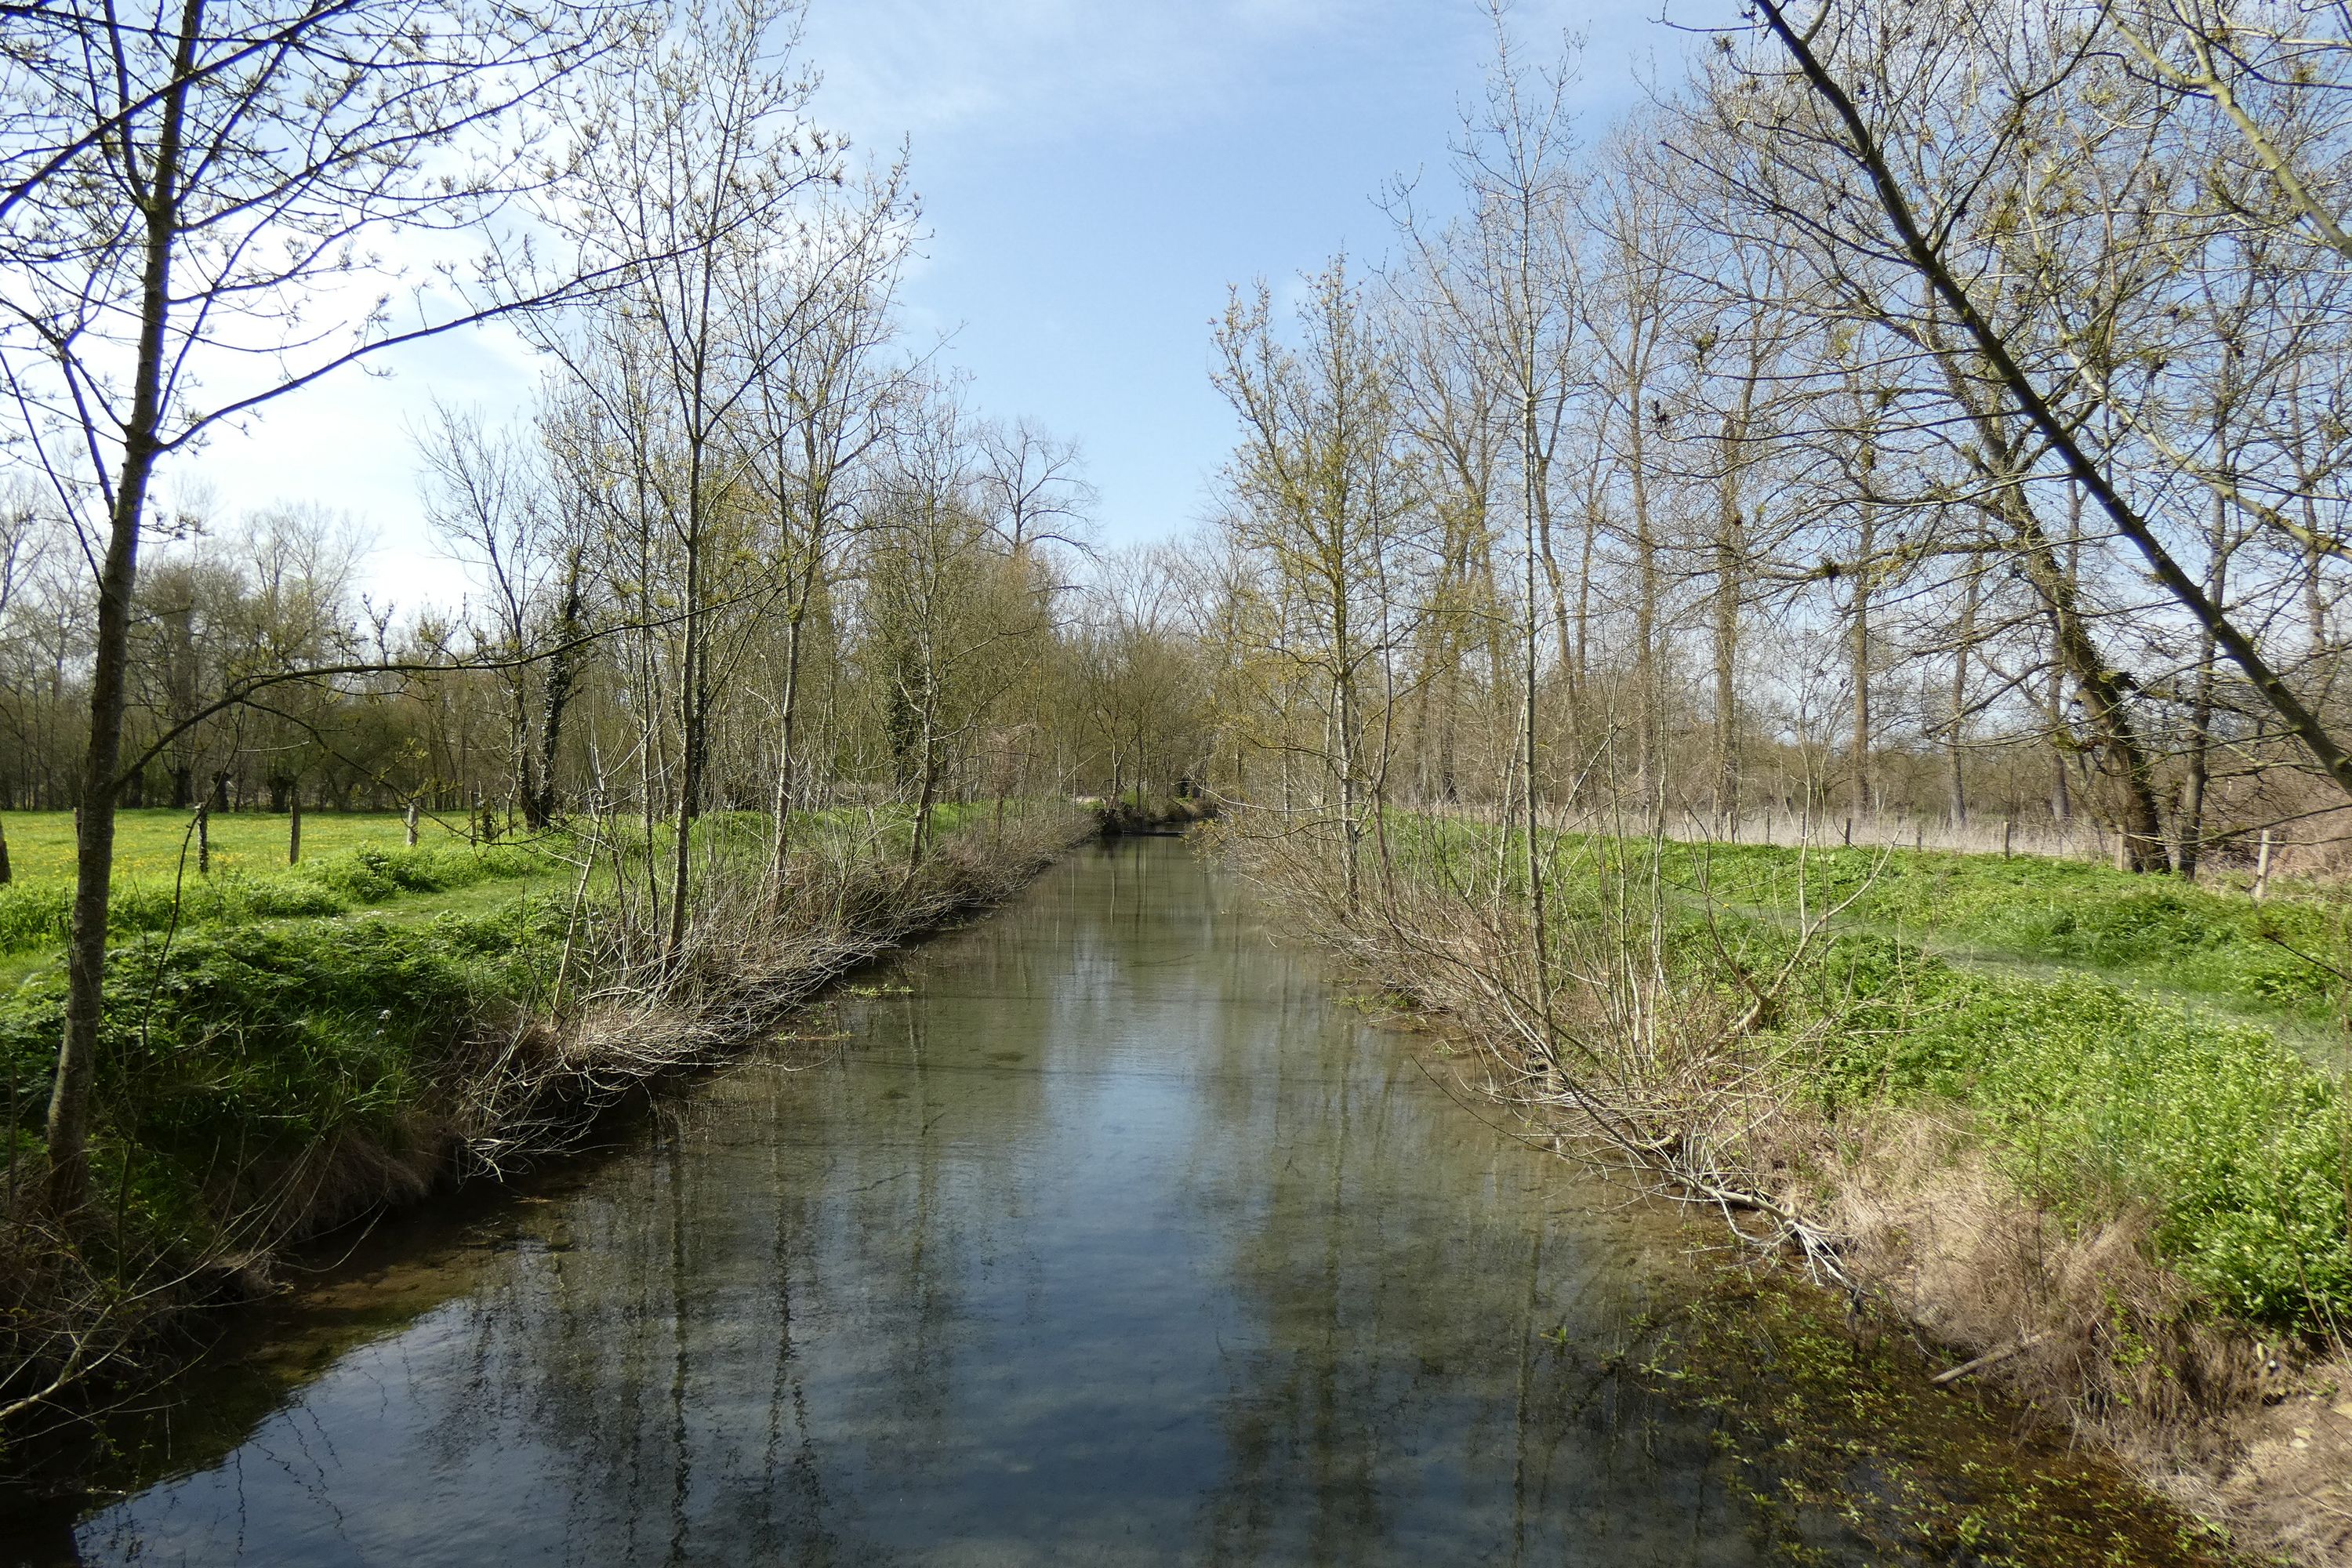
562	674
780	847
67	1127
1649	721
693	711
2105	693
2191	823
1954	742
1729	561
1866	566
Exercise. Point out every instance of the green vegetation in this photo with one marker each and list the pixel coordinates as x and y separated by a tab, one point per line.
2214	943
2278	958
356	861
2100	1102
32	916
149	842
2097	1099
232	1052
2122	1055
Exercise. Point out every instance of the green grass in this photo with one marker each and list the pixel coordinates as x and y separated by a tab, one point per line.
2176	937
148	842
2274	959
2117	1044
2099	1102
245	1046
33	916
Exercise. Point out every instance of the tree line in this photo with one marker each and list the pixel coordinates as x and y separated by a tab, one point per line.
1905	413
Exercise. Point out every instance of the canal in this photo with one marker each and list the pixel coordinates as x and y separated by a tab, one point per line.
1100	1231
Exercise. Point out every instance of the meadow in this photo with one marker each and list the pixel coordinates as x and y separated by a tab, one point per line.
149	843
2115	1045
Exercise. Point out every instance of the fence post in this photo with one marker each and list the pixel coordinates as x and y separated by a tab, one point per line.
2262	868
412	824
2008	826
205	839
294	826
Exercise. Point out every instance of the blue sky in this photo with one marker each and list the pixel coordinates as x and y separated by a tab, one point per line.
1094	173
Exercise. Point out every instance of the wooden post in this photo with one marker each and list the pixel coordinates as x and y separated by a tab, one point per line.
1849	832
2008	827
205	839
4	873
412	824
294	826
2263	867
1919	837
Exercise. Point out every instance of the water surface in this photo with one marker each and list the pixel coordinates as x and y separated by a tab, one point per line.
1106	1235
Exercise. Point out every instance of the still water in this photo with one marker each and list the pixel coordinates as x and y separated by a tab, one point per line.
1105	1233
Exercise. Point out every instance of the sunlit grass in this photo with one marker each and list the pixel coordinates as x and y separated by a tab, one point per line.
149	843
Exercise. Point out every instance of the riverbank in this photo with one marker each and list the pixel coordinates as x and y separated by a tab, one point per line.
2124	1210
264	1079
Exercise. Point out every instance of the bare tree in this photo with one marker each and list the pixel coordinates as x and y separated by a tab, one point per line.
1033	484
691	168
181	197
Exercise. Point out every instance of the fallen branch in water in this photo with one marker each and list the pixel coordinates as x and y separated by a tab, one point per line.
1953	1374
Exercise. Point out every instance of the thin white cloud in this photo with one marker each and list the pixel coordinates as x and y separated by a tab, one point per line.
1039	69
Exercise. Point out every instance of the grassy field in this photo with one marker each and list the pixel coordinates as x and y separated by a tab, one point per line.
2118	1045
2281	962
149	844
349	862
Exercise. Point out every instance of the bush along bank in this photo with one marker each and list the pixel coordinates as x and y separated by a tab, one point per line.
1140	812
2127	1211
262	1079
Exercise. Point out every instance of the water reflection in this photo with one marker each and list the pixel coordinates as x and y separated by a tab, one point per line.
1111	1239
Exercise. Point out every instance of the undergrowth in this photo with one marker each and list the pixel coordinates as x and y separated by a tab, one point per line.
240	1047
2098	1102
